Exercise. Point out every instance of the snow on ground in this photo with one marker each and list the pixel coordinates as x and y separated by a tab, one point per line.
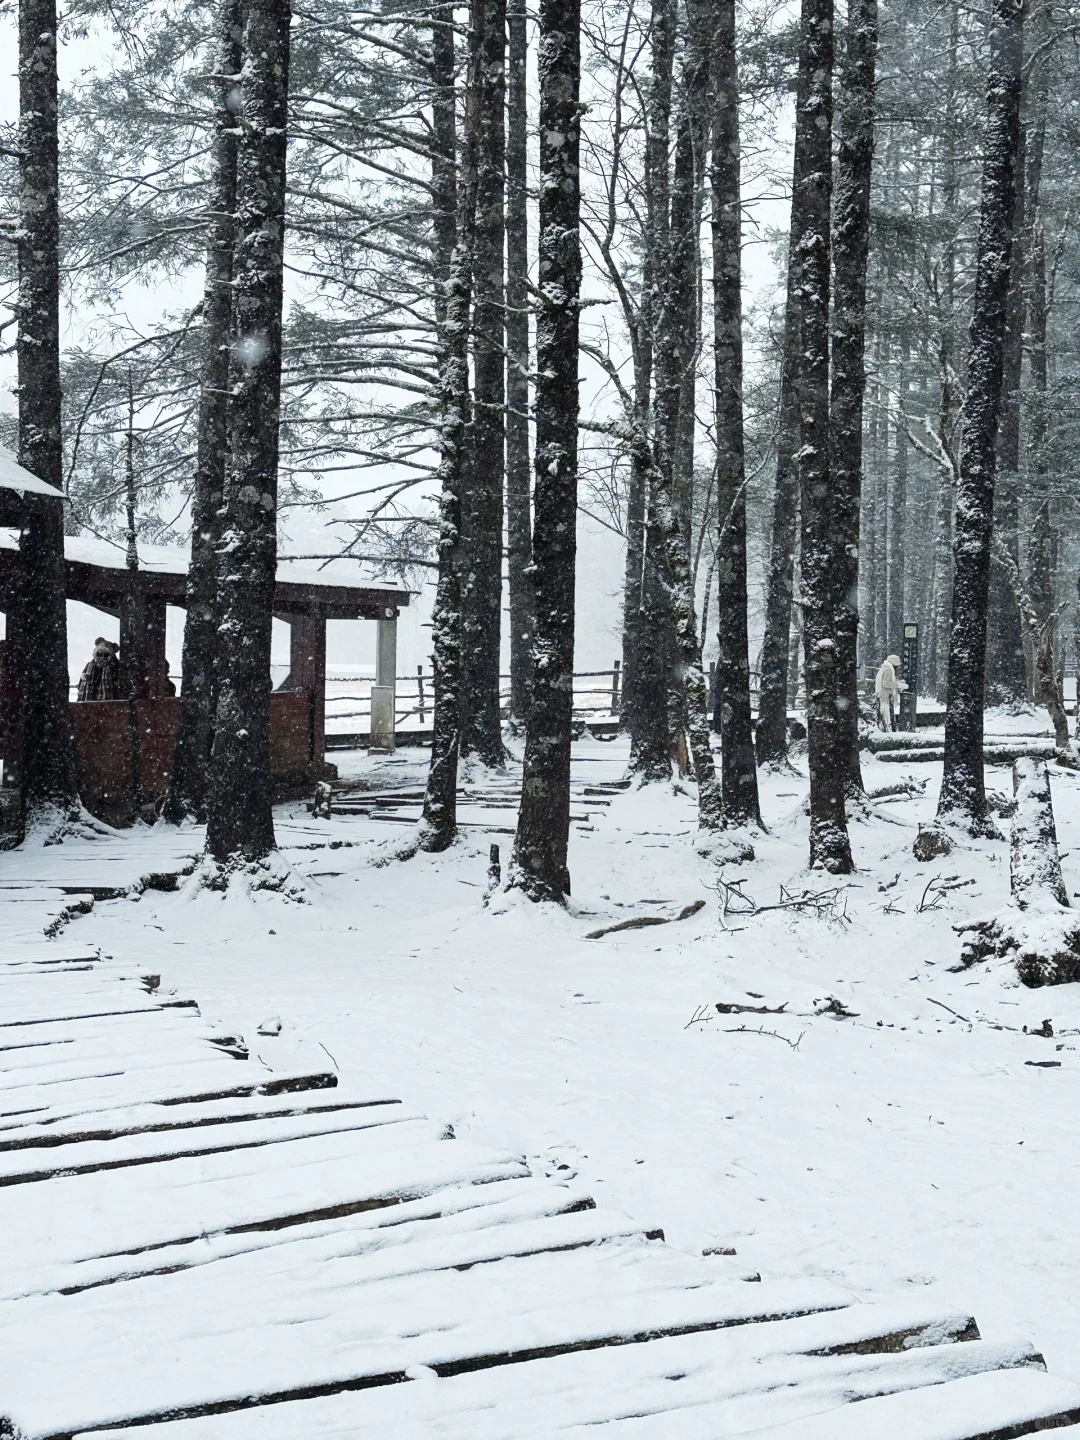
905	1147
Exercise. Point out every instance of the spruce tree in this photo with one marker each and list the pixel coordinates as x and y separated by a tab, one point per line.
48	785
240	818
188	783
540	847
962	799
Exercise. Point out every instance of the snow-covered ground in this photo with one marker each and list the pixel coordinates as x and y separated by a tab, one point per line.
910	1145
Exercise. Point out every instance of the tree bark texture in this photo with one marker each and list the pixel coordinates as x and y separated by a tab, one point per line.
675	356
851	252
897	473
646	616
738	763
1006	673
482	512
48	781
188	785
963	795
518	501
453	279
1041	536
771	740
540	847
240	820
821	551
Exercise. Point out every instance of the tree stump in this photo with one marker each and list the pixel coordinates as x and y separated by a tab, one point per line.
1037	928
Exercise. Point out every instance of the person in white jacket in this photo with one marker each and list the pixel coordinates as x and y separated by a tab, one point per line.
887	687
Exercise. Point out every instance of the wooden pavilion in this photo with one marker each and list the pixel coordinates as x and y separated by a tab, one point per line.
97	575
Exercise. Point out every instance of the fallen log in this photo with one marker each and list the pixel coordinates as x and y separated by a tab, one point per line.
639	922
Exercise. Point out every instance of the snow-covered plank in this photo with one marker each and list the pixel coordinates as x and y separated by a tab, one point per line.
456	1209
147	1119
996	1406
185	1085
716	1397
87	1157
533	1387
30	1060
57	1068
46	1010
200	1070
130	1028
124	1211
244	1328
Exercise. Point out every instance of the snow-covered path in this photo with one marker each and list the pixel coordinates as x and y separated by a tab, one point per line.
902	1148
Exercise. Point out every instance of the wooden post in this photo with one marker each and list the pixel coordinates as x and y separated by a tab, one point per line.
616	678
420	690
307	675
382	734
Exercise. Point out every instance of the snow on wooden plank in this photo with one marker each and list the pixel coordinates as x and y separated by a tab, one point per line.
998	1406
150	1119
123	1028
456	1209
47	1011
122	1212
163	1089
769	1396
319	1332
58	1069
263	1325
30	1060
110	1082
532	1388
90	1156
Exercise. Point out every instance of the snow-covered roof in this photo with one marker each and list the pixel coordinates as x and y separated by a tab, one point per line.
14	477
173	560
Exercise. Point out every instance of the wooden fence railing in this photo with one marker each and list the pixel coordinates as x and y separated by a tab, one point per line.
596	693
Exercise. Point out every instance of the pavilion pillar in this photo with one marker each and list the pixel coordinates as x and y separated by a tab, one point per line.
384	691
307	674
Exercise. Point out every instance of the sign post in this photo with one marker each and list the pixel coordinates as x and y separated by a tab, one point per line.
909	673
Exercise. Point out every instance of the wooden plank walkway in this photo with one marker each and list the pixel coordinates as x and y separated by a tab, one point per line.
198	1249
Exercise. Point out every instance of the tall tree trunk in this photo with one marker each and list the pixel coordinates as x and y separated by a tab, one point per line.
1006	673
453	280
880	539
676	351
191	762
946	298
676	355
646	616
822	561
738	764
963	795
483	500
133	632
48	784
518	504
771	734
851	251
540	847
240	820
898	502
1041	539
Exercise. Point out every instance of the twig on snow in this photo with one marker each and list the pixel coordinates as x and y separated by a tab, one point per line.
640	922
949	1008
937	889
747	1030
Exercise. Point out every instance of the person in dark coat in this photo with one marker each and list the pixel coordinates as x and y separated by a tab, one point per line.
100	679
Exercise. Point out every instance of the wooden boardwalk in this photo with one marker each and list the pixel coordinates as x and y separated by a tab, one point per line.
196	1248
